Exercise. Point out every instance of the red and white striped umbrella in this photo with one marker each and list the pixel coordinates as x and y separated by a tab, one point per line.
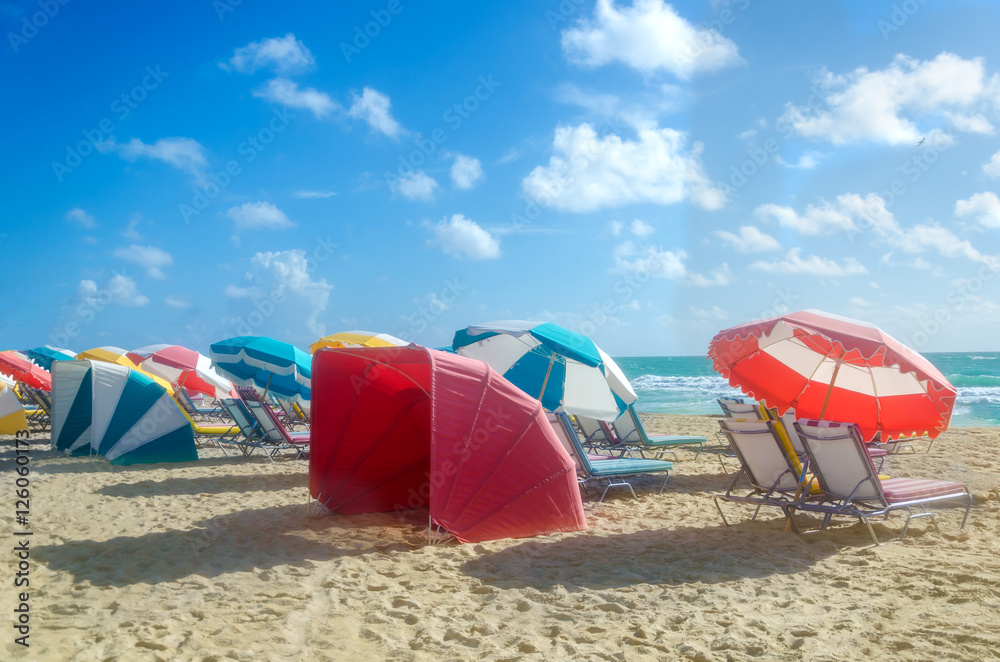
182	367
829	367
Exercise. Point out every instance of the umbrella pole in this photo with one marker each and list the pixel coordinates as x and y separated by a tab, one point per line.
829	391
545	382
266	388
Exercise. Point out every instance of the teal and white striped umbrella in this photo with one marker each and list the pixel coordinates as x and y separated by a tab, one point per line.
563	369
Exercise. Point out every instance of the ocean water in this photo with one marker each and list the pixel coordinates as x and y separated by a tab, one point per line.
687	384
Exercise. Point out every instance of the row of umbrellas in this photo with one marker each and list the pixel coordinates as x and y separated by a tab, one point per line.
823	366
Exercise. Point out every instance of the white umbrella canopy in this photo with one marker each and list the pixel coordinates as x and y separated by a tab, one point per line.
566	371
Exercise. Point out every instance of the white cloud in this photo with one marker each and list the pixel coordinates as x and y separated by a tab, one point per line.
919	238
297	301
715	313
639	110
287	93
150	258
985	207
807	161
641	228
848	213
616	227
749	240
883	105
235	292
282	54
460	236
587	173
720	276
974	123
992	167
131	230
373	107
466	171
313	195
416	185
184	154
255	215
121	289
649	36
80	217
811	265
652	261
176	302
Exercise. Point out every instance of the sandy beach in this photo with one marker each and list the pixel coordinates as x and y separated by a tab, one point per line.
220	560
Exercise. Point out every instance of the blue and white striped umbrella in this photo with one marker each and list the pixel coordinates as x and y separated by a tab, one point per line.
563	369
45	355
279	368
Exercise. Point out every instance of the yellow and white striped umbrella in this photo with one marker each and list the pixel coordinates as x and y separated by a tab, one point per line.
358	339
12	416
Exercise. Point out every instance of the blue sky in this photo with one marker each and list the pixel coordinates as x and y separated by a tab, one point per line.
645	173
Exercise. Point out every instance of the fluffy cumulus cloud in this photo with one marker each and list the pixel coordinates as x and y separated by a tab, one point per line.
282	54
288	93
587	172
652	261
416	185
259	215
150	258
884	105
811	265
992	167
120	290
463	237
282	299
855	215
466	171
983	207
749	240
374	108
641	229
721	276
849	213
81	218
185	154
173	301
649	36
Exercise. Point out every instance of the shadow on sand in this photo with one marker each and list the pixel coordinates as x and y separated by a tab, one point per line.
238	542
208	485
682	555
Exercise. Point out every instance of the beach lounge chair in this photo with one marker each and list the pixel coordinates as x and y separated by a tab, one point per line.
737	408
630	431
852	488
598	437
274	433
293	414
786	424
215	434
614	470
767	462
41	414
193	410
252	435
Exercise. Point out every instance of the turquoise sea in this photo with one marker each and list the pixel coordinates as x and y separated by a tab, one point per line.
687	384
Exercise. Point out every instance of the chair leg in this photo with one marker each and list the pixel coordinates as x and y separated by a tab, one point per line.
664	483
721	514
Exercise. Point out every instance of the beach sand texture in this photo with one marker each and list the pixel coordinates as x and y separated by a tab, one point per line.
219	560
